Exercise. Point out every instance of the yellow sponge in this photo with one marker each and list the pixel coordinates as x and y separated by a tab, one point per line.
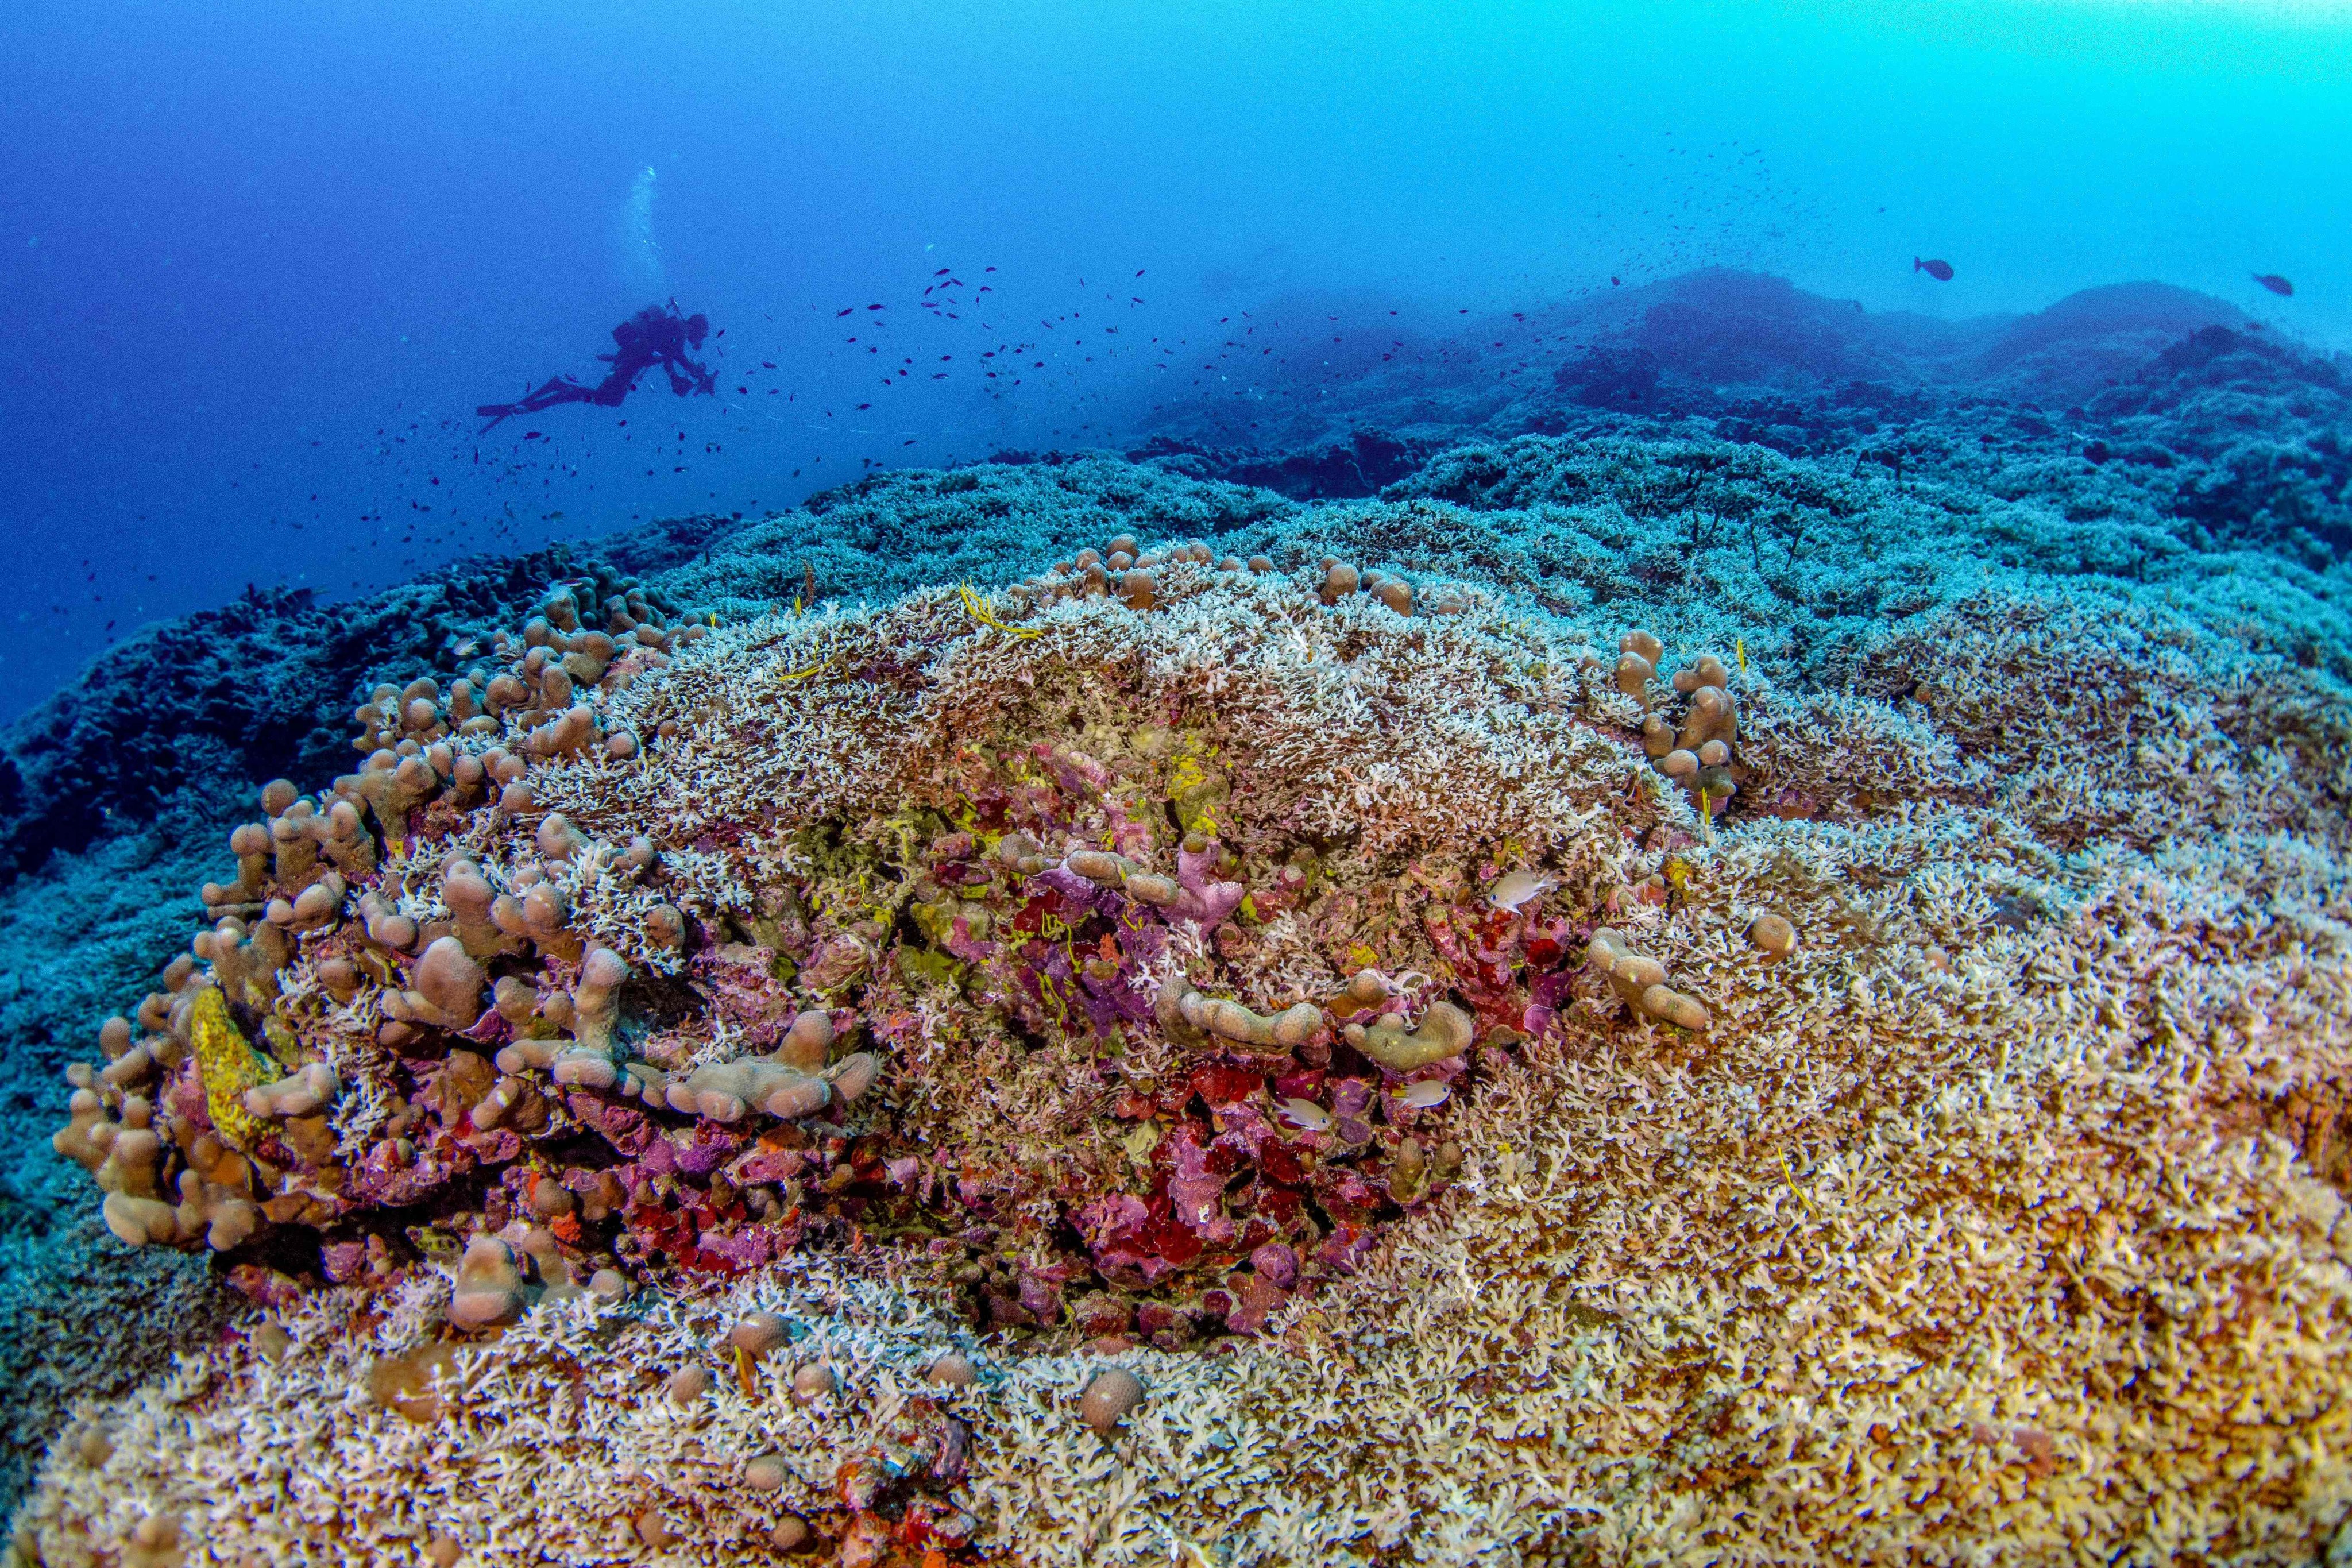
228	1066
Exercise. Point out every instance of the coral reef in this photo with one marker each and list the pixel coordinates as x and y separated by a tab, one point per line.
950	1019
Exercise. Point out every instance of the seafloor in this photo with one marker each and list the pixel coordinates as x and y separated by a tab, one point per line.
1718	933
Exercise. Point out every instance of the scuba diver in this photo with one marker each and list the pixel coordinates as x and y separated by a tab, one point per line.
652	337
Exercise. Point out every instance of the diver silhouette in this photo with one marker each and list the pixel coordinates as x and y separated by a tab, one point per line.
653	336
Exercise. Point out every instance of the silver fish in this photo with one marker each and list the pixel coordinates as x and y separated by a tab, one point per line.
1520	888
1307	1114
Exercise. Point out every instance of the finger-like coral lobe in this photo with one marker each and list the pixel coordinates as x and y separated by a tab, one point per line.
1445	1033
1641	982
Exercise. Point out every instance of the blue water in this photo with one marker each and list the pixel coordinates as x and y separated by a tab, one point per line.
260	262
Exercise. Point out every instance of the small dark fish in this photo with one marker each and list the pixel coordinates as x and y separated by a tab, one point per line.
2273	282
838	314
940	273
1941	272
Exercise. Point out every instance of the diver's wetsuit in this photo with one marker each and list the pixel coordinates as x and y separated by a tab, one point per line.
652	337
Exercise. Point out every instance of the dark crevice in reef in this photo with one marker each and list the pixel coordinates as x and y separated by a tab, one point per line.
1362	463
